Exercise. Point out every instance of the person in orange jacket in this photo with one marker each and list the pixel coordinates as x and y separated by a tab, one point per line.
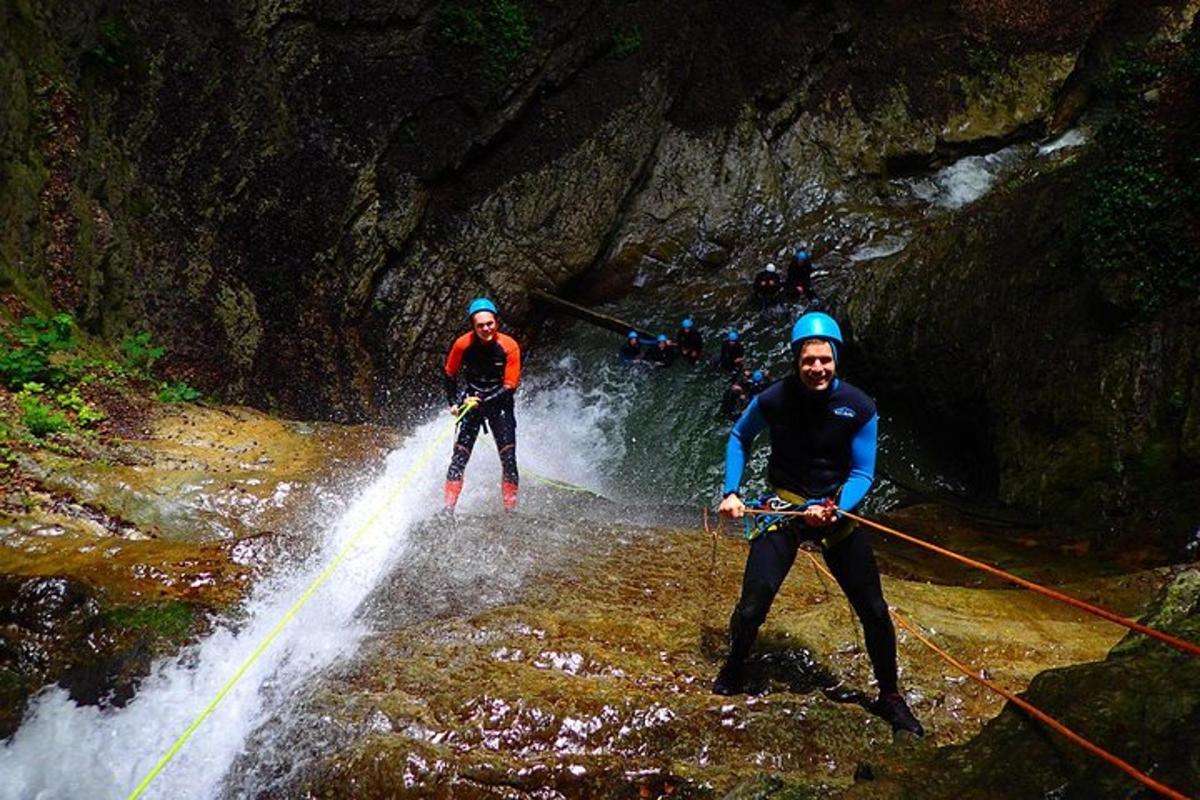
489	363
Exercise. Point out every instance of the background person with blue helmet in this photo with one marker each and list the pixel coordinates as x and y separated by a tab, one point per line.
823	440
632	349
758	381
691	341
663	351
799	275
733	354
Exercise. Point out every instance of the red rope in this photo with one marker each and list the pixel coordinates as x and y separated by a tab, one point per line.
1027	707
1133	625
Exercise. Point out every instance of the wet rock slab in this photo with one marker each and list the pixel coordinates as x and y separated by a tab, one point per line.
596	684
108	561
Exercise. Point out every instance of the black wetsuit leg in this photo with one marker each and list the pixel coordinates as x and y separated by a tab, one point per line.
468	431
852	562
503	424
771	557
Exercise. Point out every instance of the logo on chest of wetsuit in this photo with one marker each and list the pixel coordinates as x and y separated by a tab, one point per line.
844	411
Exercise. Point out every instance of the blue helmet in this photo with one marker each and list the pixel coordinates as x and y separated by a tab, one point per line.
802	255
733	336
687	323
481	304
816	325
631	335
757	376
662	337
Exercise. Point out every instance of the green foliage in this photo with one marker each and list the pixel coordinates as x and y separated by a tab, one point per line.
498	28
38	417
626	42
178	393
85	415
35	357
140	352
6	453
173	620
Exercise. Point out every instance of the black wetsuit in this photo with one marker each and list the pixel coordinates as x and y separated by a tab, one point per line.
733	355
691	343
799	277
733	403
661	355
822	446
630	351
766	288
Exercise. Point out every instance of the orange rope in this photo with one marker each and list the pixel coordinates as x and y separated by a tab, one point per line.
1133	625
1027	707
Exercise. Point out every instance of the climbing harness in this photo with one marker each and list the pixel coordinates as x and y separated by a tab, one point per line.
772	512
764	516
418	464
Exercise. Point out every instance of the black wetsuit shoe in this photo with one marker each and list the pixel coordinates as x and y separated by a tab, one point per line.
730	680
895	710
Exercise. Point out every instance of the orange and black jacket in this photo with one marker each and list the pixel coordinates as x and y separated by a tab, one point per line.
491	371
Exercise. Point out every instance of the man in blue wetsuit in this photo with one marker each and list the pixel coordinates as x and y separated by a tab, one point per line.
823	437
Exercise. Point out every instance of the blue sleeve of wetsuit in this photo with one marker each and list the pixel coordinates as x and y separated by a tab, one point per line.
862	465
740	439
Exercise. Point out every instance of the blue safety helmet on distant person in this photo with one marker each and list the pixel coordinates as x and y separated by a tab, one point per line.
802	255
481	304
631	335
733	336
758	376
816	325
662	338
687	323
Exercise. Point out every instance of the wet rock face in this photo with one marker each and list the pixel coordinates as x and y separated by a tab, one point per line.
1072	359
110	561
302	196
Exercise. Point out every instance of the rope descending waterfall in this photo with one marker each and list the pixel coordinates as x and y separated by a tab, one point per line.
418	464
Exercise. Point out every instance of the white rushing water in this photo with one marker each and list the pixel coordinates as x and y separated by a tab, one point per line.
67	751
967	179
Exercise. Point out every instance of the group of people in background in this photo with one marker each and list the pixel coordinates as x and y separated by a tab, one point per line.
769	290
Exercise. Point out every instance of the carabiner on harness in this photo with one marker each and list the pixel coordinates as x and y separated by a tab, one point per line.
755	525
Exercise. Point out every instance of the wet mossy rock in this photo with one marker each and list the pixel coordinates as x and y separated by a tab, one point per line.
111	560
595	681
298	198
1141	703
1073	354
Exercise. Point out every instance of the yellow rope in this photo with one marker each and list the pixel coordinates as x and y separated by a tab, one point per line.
417	465
557	484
